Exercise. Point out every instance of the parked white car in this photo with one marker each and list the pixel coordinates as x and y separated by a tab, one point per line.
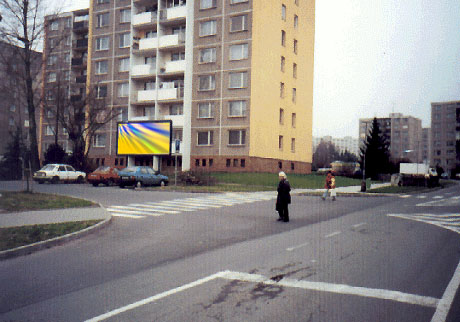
55	173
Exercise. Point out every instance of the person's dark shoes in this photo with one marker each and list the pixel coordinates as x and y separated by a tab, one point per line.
286	220
280	219
333	198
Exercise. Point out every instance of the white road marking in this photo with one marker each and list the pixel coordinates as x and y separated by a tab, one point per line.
438	197
290	249
405	196
156	208
445	303
421	197
286	282
128	216
359	225
335	233
443	221
149	210
178	204
132	212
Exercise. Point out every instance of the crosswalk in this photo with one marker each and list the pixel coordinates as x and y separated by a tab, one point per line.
177	206
446	221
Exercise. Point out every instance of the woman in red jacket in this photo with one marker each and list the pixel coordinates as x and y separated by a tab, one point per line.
330	185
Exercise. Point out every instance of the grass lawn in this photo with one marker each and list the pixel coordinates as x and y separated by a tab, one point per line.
23	201
19	236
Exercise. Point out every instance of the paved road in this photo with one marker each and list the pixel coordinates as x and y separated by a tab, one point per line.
357	259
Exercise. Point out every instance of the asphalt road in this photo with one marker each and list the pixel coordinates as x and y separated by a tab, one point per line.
218	259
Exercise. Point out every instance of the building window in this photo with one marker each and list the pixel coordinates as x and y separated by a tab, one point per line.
237	108
67	40
176	109
125	40
102	20
293	145
207	82
282	90
52	59
123	90
102	1
293	120
280	142
294	95
237	1
178	56
283	63
205	138
208	4
239	23
51	96
239	52
54	25
281	116
280	164
283	38
124	64
296	21
236	137
207	55
283	12
102	67
295	46
102	43
49	130
12	108
294	70
11	123
238	80
292	166
235	162
228	163
243	163
205	110
101	91
125	15
67	58
208	28
51	77
99	140
203	162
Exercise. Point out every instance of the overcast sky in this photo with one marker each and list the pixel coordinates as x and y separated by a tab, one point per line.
373	58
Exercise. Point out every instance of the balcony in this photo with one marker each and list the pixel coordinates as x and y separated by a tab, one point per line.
173	13
144	19
80	79
80	44
173	67
76	98
173	147
146	96
143	71
149	44
80	26
79	62
164	94
177	120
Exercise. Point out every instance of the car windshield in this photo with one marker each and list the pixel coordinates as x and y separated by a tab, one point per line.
48	167
130	169
102	169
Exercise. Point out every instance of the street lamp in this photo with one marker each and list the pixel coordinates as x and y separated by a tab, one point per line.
363	182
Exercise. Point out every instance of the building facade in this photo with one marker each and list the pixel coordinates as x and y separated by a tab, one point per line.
445	136
346	143
403	133
235	77
14	114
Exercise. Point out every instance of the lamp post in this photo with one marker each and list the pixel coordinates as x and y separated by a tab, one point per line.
363	182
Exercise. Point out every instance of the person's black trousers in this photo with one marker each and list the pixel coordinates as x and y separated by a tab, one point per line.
284	212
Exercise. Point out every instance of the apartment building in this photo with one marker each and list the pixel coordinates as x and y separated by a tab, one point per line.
64	67
445	136
235	77
13	102
346	143
403	133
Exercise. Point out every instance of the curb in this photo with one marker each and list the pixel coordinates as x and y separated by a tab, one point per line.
32	248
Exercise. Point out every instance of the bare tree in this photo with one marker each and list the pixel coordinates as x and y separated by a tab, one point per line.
22	26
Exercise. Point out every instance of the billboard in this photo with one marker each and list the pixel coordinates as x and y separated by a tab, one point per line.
144	138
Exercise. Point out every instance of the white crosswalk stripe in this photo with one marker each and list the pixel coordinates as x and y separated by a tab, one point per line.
451	201
446	221
177	206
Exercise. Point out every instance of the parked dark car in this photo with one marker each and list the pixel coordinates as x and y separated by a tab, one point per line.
104	174
139	176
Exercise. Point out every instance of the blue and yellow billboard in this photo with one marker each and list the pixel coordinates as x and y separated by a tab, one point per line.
144	138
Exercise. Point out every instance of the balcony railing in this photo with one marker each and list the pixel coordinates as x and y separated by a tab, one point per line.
143	70
81	43
162	42
78	62
145	18
173	13
164	94
80	25
177	66
177	120
80	79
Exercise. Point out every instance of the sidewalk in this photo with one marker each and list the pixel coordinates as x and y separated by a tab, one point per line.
39	217
349	189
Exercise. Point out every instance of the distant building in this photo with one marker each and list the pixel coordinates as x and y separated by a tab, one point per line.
13	101
346	143
445	136
404	134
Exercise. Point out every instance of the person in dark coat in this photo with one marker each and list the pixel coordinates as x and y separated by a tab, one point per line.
284	197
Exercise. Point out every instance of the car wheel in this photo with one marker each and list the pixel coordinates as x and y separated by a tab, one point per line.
109	182
41	182
122	185
139	184
80	179
95	184
55	180
162	183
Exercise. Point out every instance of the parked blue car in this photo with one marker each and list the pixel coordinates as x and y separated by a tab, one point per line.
139	176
